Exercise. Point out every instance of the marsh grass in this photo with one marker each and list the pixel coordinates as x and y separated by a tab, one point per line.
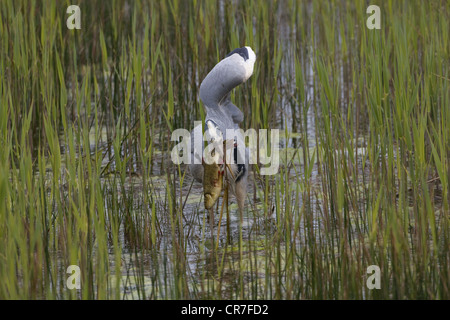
85	172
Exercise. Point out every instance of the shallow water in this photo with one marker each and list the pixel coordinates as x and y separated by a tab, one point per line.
306	232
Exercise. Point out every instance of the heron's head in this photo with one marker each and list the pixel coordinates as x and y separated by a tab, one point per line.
245	56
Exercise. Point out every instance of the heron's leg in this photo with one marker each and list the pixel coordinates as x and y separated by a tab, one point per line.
241	193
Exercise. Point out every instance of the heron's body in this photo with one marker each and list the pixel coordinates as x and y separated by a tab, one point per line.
222	114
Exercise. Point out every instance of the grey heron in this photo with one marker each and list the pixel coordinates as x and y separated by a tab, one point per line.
222	114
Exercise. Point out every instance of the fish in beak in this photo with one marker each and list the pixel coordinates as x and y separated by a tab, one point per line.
213	169
212	183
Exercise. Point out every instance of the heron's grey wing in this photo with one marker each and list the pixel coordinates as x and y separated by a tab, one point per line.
235	113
